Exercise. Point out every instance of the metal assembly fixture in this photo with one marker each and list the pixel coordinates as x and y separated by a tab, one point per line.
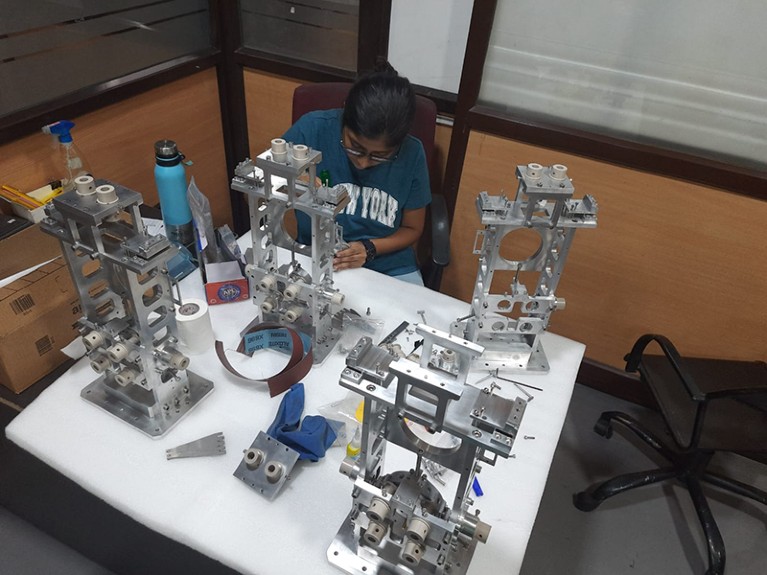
287	293
129	323
266	466
509	325
399	521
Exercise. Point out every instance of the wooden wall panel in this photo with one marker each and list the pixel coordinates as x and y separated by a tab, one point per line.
668	256
118	142
269	101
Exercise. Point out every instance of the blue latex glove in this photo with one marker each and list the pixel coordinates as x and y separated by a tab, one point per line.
312	437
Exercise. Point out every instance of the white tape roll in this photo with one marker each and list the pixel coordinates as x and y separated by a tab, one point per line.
194	328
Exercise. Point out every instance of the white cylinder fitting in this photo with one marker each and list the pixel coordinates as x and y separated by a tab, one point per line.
279	145
268	305
279	150
482	531
412	553
291	292
99	363
300	152
375	532
533	171
378	509
253	458
85	186
267	283
274	471
126	376
448	356
177	360
337	298
93	339
106	194
118	352
293	313
350	468
417	529
558	172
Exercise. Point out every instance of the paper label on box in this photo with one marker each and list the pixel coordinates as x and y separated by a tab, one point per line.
229	292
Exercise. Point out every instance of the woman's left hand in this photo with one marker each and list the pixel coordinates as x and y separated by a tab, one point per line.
352	257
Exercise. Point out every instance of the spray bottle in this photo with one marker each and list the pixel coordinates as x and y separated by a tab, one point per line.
71	157
170	177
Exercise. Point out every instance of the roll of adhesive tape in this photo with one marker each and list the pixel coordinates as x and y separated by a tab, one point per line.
194	328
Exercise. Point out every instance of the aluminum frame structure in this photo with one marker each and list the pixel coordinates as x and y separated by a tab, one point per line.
509	325
129	319
287	293
399	521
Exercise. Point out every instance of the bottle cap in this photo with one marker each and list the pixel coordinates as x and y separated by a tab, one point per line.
165	149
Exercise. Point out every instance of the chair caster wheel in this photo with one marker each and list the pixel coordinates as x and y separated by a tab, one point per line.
585	502
603	428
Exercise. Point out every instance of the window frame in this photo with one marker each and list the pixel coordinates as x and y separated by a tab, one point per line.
654	159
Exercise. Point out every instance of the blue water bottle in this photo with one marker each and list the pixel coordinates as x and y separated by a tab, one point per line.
170	177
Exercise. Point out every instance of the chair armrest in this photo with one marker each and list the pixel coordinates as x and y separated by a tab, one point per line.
634	359
440	231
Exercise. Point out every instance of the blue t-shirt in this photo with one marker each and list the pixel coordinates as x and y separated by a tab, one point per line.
378	194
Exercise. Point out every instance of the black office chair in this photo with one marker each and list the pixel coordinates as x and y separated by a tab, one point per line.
708	405
330	95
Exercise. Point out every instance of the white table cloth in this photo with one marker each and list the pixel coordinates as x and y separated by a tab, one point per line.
199	502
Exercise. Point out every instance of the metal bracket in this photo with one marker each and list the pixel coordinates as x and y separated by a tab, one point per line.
266	466
213	444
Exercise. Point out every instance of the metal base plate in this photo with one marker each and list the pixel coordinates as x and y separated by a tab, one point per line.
322	350
113	399
349	556
514	357
275	453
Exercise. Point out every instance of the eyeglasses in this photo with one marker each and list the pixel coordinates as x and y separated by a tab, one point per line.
373	157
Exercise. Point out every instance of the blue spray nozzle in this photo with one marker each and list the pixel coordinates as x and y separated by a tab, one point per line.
61	129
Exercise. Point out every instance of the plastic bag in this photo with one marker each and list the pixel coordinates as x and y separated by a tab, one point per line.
203	224
344	415
357	326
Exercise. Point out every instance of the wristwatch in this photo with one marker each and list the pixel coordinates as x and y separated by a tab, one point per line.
370	250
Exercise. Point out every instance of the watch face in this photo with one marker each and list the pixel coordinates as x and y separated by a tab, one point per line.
370	250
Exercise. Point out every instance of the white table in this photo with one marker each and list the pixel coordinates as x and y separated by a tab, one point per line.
200	503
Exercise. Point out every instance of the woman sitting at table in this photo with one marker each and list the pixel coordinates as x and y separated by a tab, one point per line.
367	147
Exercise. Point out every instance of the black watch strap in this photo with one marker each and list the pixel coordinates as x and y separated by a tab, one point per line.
370	250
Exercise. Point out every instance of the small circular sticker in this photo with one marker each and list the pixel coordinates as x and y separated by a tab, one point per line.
229	292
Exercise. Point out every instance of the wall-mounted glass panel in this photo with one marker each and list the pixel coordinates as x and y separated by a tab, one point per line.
687	75
315	31
51	48
435	63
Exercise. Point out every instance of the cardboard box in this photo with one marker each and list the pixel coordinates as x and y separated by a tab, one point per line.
38	311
